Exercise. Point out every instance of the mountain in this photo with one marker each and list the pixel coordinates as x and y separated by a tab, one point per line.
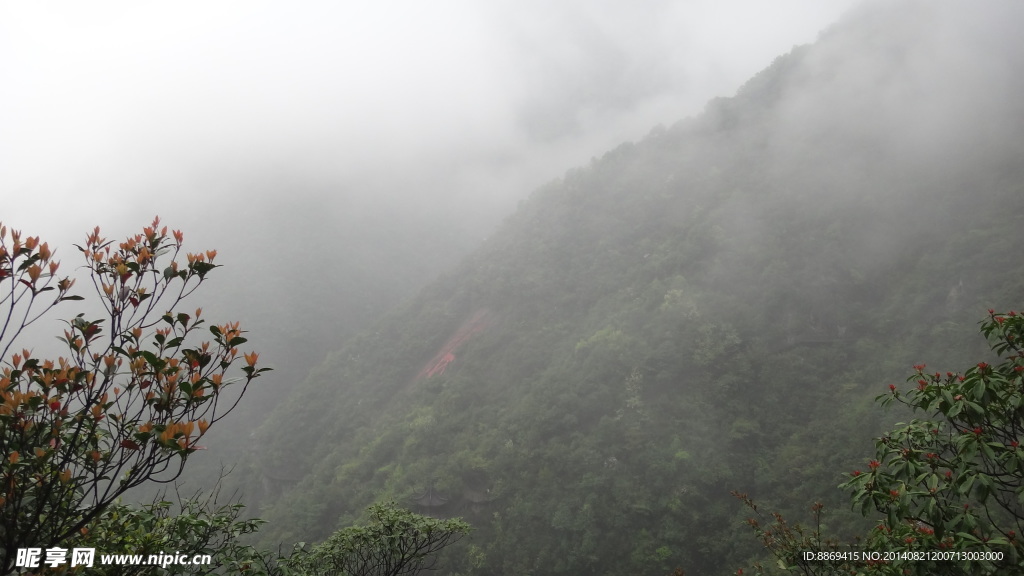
709	309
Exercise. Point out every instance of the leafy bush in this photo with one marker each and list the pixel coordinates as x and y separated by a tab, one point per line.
395	542
187	527
949	485
131	399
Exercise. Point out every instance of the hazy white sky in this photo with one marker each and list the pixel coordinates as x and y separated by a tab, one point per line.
111	112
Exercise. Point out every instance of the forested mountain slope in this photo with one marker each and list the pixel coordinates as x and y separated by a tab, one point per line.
710	308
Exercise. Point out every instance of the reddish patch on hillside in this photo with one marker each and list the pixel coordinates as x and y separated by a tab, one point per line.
439	363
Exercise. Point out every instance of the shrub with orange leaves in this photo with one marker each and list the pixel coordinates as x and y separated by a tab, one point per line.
128	403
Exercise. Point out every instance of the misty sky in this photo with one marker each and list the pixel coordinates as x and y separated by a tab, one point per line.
114	111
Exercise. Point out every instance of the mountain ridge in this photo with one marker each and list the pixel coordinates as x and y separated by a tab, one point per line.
709	308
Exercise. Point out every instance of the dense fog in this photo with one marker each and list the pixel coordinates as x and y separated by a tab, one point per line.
342	149
115	111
